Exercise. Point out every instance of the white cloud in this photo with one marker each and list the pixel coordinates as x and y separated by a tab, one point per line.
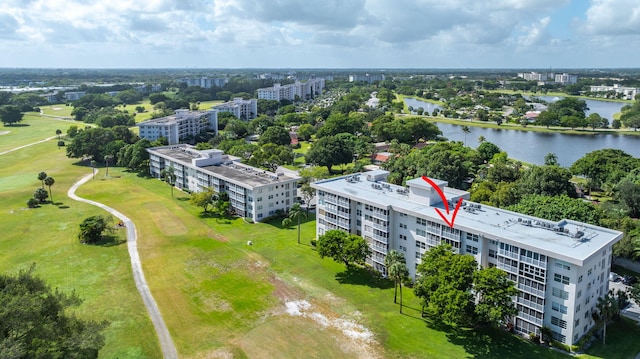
254	33
612	17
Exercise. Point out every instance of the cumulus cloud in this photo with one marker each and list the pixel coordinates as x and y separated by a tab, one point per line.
612	17
536	34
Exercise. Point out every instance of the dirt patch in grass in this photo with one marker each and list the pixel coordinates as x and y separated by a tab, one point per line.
4	132
166	221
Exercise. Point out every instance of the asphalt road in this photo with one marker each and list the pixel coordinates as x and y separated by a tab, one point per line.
166	343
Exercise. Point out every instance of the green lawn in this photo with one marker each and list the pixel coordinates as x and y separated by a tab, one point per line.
33	128
210	284
46	236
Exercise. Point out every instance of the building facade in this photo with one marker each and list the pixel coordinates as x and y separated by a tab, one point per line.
627	93
205	82
536	76
566	79
303	90
369	78
560	268
74	95
242	109
253	192
183	124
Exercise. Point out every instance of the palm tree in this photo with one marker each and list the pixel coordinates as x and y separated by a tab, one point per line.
397	270
169	175
49	181
465	130
58	132
107	159
41	177
481	139
295	212
608	307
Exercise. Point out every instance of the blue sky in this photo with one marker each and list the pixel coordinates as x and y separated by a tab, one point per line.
320	33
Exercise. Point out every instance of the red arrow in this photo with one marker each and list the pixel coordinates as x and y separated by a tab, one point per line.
446	204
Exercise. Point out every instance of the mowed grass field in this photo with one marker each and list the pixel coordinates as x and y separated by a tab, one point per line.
33	128
47	236
220	296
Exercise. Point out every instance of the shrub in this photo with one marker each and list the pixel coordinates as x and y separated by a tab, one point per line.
313	242
32	203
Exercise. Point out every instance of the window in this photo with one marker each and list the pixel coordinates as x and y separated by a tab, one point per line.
586	314
559	307
559	322
492	253
421	221
270	196
421	232
577	322
471	249
562	264
578	308
561	278
472	237
580	279
579	294
259	199
403	237
557	292
589	271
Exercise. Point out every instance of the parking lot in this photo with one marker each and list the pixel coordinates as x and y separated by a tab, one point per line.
633	310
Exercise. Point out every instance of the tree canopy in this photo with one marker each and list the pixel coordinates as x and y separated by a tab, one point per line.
10	114
330	151
93	228
36	321
343	247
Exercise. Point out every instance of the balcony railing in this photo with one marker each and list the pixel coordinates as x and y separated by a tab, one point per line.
530	304
535	262
531	290
504	253
530	318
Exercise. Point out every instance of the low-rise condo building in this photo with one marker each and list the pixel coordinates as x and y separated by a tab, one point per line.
253	192
560	268
303	90
242	109
181	125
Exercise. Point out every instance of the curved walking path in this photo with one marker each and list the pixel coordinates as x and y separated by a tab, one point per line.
166	343
27	145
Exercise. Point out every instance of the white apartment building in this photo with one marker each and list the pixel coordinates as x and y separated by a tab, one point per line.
205	82
253	192
628	93
536	76
304	90
566	78
366	78
242	109
75	95
560	268
182	124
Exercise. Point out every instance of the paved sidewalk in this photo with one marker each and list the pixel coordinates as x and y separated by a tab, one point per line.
166	343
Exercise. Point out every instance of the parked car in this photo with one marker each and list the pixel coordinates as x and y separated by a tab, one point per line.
629	280
614	277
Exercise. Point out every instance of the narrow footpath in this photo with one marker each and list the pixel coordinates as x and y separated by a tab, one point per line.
166	343
27	145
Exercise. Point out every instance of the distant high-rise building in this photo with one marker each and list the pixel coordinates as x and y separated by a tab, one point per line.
370	78
303	90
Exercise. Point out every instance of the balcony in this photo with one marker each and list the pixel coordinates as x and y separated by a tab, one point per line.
380	227
511	255
508	268
530	304
535	262
531	290
530	318
380	238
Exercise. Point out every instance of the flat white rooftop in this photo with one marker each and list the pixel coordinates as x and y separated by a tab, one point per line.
568	240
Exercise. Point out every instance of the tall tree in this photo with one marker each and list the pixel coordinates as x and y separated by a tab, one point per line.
10	114
295	213
169	176
37	322
49	181
494	291
41	177
93	228
607	308
465	131
397	270
330	151
203	198
444	284
107	160
343	247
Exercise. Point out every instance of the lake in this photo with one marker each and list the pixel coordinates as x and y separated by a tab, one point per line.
531	146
